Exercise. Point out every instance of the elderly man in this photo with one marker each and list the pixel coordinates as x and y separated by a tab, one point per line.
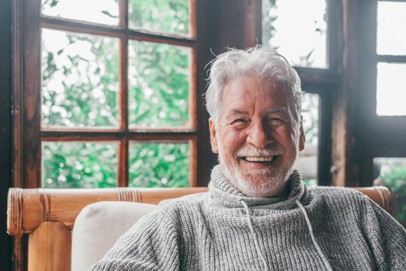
258	215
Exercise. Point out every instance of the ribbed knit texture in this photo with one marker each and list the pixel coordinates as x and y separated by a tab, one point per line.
314	229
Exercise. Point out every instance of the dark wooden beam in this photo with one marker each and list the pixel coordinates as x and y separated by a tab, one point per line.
345	169
5	130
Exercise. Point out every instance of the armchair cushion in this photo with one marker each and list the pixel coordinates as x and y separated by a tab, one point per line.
99	225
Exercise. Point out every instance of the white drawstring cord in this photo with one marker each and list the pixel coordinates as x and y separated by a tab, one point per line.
254	236
309	226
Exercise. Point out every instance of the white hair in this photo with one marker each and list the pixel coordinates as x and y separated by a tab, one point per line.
261	62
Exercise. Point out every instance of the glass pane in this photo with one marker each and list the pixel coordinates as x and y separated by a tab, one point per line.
172	17
307	163
159	82
95	11
391	89
79	165
391	172
297	29
159	164
79	80
391	28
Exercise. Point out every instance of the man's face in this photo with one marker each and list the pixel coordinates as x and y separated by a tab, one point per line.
257	136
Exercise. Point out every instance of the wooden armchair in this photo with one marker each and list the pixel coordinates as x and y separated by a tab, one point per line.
47	216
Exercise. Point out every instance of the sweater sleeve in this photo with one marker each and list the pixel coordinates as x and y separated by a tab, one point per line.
387	238
151	244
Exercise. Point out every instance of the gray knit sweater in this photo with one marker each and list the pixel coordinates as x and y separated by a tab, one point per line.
312	229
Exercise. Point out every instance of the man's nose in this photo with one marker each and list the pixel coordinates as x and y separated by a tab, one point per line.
259	135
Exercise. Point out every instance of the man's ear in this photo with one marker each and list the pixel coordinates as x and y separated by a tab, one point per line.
302	138
213	138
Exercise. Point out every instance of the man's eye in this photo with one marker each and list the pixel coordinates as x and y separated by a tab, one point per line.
275	122
239	122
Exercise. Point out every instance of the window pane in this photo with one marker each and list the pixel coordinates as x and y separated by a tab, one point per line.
391	89
160	16
307	163
297	29
159	164
79	80
391	28
391	172
95	11
79	165
159	83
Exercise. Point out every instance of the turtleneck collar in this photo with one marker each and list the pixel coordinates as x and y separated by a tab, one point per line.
223	193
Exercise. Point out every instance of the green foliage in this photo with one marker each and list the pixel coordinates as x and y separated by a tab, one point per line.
159	164
395	179
79	165
159	85
169	16
80	89
272	2
51	3
310	182
268	19
270	15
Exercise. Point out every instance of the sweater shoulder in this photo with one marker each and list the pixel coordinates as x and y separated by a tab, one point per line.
335	191
170	211
183	203
338	194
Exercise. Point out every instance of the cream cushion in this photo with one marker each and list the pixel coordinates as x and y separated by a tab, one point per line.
98	226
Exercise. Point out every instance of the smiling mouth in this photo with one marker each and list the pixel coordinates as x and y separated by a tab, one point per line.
260	159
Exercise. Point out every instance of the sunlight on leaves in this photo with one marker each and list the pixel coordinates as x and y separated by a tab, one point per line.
289	23
79	165
171	17
79	80
94	11
158	94
159	164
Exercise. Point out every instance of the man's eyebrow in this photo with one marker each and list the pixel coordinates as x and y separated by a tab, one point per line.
234	112
278	110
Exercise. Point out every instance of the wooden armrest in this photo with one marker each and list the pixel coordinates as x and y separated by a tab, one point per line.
381	195
29	208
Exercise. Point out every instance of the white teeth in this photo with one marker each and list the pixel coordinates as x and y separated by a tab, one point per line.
259	158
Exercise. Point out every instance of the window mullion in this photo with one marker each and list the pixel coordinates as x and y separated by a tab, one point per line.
31	120
123	155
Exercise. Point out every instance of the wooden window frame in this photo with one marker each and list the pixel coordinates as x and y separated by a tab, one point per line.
382	136
29	134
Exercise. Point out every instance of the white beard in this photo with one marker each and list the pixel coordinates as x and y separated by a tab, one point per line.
259	183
